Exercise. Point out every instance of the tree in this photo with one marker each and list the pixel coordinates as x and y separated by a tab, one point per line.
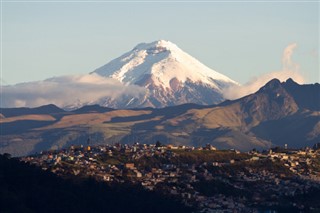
158	144
316	146
7	155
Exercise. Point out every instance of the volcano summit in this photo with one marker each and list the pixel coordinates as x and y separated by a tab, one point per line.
170	76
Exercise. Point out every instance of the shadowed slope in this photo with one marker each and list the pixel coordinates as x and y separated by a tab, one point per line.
270	117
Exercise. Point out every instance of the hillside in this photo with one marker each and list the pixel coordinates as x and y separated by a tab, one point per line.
26	188
277	114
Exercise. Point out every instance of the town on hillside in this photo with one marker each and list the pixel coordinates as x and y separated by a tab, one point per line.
208	179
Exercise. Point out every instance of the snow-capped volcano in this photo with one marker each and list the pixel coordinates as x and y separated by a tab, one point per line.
170	76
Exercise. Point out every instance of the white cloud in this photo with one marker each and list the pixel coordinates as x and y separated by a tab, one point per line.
65	90
290	70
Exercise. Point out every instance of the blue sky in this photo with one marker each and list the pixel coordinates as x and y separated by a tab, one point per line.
239	39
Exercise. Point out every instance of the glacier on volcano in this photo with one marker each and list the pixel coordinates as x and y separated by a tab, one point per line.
170	75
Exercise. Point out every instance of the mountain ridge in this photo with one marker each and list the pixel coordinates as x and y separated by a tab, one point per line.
269	117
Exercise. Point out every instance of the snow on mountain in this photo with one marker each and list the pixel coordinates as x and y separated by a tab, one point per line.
164	61
171	76
156	74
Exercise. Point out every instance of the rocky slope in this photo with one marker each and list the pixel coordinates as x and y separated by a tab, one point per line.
170	76
277	114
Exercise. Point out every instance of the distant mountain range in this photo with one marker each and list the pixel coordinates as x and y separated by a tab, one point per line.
277	114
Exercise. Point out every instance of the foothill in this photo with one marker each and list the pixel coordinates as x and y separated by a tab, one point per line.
205	178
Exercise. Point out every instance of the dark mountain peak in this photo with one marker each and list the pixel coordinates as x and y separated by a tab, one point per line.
290	84
307	96
274	83
290	81
45	109
93	109
271	102
274	86
51	108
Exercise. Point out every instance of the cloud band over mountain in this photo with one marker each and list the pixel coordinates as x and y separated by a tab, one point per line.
290	69
166	75
65	91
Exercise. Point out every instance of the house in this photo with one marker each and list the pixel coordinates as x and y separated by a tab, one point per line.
129	165
137	173
171	147
254	158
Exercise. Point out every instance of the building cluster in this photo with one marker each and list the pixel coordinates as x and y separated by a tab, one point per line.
229	185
